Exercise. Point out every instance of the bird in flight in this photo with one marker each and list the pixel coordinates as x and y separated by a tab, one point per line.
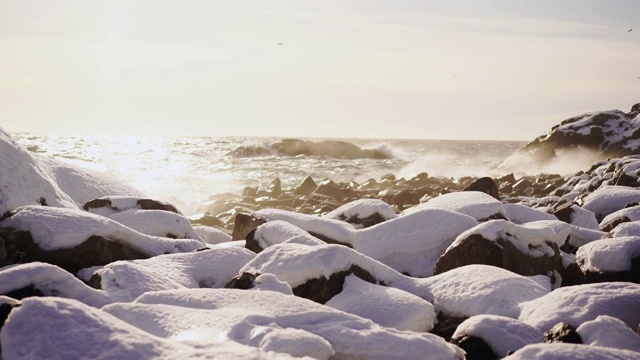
630	30
279	43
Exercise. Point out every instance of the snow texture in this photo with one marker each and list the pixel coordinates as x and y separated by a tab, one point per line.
562	351
581	303
384	305
609	332
297	325
609	255
476	204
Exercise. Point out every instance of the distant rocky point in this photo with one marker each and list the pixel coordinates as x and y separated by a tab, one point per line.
295	147
610	133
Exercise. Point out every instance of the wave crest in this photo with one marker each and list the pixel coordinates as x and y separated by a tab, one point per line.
328	148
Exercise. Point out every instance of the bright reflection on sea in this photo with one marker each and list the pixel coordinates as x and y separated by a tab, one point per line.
189	169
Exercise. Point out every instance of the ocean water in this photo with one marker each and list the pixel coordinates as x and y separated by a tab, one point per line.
189	169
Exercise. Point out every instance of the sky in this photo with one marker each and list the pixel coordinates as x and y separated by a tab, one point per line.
483	69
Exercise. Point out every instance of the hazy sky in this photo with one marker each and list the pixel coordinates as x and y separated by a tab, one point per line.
492	69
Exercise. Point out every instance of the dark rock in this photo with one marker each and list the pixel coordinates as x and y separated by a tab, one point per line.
371	220
243	225
486	185
144	204
475	347
19	247
206	219
243	281
447	325
563	333
323	289
405	198
25	292
632	275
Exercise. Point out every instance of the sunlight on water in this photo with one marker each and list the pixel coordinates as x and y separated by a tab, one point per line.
184	170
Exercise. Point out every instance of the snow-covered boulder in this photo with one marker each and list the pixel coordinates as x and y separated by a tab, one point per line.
609	199
621	216
411	243
609	332
75	239
478	205
614	259
610	133
41	279
578	304
478	290
386	306
363	213
31	179
493	336
318	272
525	249
211	268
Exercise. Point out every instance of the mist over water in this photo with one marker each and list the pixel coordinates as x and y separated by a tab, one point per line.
185	170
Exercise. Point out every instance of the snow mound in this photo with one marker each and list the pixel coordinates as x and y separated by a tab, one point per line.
203	315
477	204
609	332
384	305
61	329
212	268
30	179
481	289
609	255
562	351
581	303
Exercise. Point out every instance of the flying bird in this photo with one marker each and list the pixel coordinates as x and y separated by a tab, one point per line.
279	43
630	30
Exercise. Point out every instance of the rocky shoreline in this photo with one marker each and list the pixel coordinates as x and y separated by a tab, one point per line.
532	267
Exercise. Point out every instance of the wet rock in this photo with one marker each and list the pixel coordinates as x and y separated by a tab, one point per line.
243	225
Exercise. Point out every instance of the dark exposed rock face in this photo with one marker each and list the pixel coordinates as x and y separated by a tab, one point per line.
610	133
366	222
486	185
562	333
323	289
243	281
319	290
144	204
475	347
594	276
501	253
447	325
19	247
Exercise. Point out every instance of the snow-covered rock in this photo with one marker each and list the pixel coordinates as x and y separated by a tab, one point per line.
384	305
578	304
30	179
502	334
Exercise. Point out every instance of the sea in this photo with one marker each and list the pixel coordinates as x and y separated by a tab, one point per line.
186	170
